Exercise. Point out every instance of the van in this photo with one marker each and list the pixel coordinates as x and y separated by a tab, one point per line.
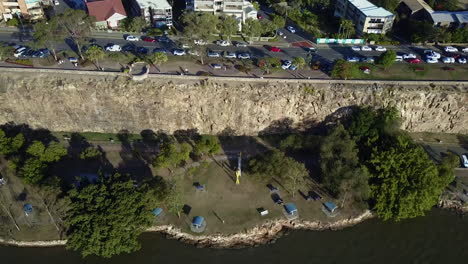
19	51
399	58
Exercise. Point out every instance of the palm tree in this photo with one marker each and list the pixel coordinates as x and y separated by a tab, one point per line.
95	53
346	28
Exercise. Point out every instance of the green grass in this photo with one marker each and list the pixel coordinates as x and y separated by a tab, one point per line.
94	136
423	71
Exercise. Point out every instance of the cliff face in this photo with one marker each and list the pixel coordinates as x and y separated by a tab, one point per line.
62	102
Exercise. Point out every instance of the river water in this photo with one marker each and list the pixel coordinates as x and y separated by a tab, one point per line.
439	237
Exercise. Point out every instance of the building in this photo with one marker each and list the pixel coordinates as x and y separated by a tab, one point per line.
108	13
420	10
367	17
27	9
451	19
416	9
241	9
157	12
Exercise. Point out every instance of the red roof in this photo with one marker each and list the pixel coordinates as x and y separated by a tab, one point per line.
104	9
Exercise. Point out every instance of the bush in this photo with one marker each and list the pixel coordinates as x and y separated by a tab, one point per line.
14	22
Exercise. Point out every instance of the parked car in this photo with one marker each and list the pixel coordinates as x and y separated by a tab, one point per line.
291	29
352	59
312	49
216	66
366	48
450	49
448	60
141	50
409	56
243	56
193	52
431	53
56	2
241	44
19	51
113	47
129	48
272	188
42	53
281	34
462	60
315	196
286	64
259	16
178	52
164	39
148	39
275	49
356	48
464	161
380	48
131	38
399	58
73	59
163	50
223	43
414	61
213	54
293	67
432	60
465	49
367	59
199	42
230	55
28	53
276	198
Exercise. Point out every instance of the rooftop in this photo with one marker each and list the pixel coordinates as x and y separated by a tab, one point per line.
198	221
447	16
104	9
290	208
416	5
156	4
370	9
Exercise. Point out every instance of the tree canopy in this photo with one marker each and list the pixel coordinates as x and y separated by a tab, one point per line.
76	24
207	144
172	154
344	70
387	58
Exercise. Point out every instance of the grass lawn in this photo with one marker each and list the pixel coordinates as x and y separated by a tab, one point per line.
427	137
406	71
92	136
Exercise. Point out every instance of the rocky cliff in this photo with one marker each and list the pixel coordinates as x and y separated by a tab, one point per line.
65	101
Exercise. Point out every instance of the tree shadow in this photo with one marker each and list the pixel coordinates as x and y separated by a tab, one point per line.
132	161
30	134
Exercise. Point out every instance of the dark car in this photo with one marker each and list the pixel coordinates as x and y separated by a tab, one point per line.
28	53
164	39
129	48
315	196
272	188
276	198
142	50
148	39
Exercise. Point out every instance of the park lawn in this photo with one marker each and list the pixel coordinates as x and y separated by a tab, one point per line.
428	137
406	71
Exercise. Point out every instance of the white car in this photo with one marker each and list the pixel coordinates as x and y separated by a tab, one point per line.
399	58
281	34
380	48
286	64
213	54
193	53
448	60
465	50
199	42
241	44
223	43
178	52
352	59
462	60
356	48
450	49
19	51
230	55
56	2
291	29
131	38
243	56
113	47
432	54
409	56
464	161
432	60
366	48
216	66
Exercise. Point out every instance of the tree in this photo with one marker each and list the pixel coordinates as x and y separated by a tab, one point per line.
295	177
279	21
346	28
299	62
9	145
174	200
252	28
344	70
106	219
387	59
47	34
228	25
158	58
13	22
90	153
5	50
33	171
95	53
172	154
135	24
256	5
405	182
76	24
52	153
199	26
207	144
269	64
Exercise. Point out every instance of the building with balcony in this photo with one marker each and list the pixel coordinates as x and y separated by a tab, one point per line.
241	9
156	12
367	17
27	9
108	13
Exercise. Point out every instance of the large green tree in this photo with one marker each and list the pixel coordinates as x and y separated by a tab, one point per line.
228	25
5	50
76	25
344	70
387	58
48	34
106	219
172	154
252	28
134	24
207	144
10	145
157	58
94	54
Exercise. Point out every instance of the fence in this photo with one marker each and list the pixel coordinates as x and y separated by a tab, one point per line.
339	41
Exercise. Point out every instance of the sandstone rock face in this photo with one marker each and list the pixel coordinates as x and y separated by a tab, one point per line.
63	102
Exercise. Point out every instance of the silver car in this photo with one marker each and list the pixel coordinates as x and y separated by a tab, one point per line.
213	54
230	55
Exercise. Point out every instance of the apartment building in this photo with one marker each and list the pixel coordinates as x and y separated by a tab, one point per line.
367	17
241	9
27	9
157	12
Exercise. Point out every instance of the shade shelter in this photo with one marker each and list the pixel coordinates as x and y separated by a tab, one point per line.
157	212
28	209
291	211
198	224
330	209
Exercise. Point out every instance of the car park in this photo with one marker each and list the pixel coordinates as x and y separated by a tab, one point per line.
431	60
286	64
352	59
213	54
291	29
243	56
131	38
113	47
178	52
241	44
461	60
409	56
448	60
230	55
380	48
414	61
450	49
356	48
163	50
223	43
399	58
366	48
148	39
216	66
275	49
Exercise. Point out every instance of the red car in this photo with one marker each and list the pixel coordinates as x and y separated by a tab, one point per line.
259	16
148	39
413	61
275	49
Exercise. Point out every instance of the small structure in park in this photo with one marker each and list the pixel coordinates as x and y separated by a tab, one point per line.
291	211
157	212
199	187
28	209
198	224
330	209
